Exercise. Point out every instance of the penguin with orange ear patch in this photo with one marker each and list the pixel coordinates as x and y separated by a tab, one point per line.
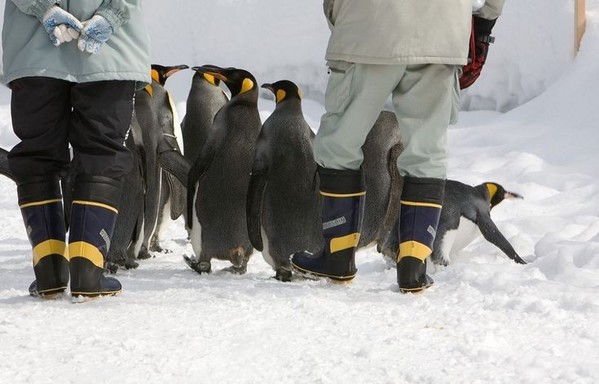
218	180
283	203
155	111
465	215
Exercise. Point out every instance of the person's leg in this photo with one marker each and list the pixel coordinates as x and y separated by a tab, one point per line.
423	102
101	117
40	112
355	97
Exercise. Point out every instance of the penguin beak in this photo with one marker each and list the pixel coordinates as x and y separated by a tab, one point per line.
268	86
212	70
175	69
512	195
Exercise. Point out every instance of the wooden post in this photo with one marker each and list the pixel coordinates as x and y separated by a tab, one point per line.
579	23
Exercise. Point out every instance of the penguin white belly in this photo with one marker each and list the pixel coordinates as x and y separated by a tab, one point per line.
466	233
266	251
195	235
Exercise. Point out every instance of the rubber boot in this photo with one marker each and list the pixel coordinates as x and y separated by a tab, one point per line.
93	216
421	203
342	195
40	201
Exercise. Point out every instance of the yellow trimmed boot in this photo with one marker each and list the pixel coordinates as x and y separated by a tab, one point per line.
421	202
40	201
342	195
93	216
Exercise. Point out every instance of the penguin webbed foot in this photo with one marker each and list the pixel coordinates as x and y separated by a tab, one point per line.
236	270
143	253
198	266
283	274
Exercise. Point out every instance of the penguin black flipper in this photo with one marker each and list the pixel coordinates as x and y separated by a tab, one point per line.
197	170
491	233
176	165
255	199
4	164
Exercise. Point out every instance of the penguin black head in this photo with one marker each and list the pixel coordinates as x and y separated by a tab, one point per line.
497	194
284	90
205	75
239	81
161	73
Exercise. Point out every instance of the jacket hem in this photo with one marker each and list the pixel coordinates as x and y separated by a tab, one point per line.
352	58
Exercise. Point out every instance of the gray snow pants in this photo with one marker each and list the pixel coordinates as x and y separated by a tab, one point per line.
425	99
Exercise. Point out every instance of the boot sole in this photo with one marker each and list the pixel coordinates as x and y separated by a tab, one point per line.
415	290
79	297
315	275
50	294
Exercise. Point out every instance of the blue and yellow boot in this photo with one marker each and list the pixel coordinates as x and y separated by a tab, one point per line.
40	201
93	216
421	202
342	195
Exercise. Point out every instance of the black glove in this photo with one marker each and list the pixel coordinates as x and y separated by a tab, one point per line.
480	38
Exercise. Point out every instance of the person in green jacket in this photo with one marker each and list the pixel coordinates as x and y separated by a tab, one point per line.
73	68
413	51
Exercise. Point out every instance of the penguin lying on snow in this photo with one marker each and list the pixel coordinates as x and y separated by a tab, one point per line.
466	214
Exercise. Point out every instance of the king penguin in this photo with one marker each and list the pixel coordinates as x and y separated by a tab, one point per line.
466	213
172	193
205	99
283	211
219	177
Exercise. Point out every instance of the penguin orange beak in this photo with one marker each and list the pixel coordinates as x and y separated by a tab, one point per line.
174	69
268	86
512	195
212	70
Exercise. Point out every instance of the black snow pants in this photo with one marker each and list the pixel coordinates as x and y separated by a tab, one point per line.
49	114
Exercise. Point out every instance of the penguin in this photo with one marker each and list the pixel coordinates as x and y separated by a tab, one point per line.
156	114
283	211
172	194
466	214
205	99
219	177
4	164
383	181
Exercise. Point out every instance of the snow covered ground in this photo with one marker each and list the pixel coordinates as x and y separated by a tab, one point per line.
529	124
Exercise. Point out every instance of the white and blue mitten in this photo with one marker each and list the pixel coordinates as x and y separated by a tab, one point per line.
96	31
60	25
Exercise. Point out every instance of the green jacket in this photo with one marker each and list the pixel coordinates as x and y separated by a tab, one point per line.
27	50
